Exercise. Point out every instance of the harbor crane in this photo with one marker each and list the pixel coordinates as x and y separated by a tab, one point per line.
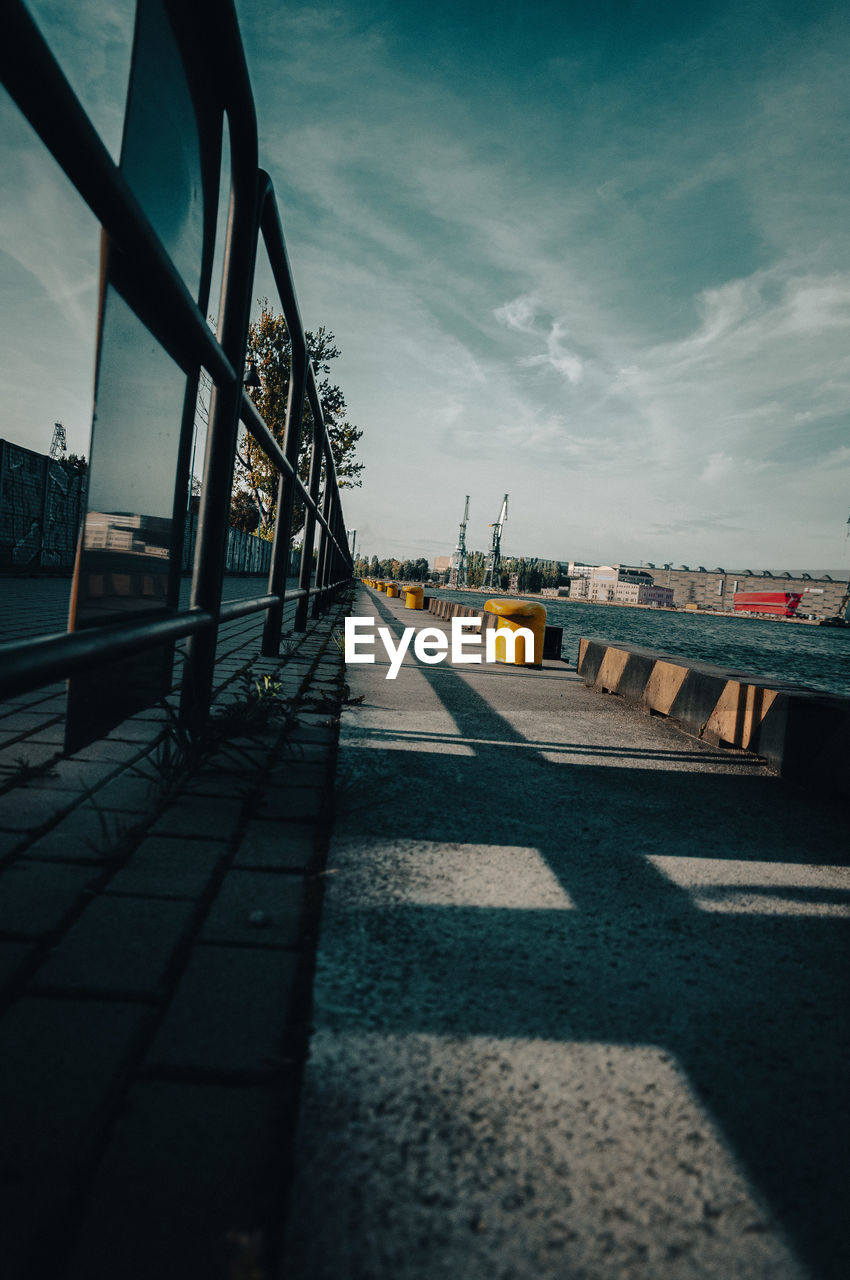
457	577
493	571
58	445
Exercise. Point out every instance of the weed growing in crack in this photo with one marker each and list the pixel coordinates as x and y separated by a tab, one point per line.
21	771
117	835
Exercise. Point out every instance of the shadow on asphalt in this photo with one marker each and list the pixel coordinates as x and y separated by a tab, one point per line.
752	1006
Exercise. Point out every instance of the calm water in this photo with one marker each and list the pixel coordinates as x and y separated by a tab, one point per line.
818	657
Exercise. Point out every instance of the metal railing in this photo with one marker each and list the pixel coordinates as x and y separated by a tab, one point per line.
145	276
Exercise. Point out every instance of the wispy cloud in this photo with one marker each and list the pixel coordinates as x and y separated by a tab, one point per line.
611	276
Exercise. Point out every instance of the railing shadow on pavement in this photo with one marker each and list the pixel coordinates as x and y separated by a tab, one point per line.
745	989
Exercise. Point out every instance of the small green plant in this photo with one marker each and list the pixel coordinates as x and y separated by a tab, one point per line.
266	687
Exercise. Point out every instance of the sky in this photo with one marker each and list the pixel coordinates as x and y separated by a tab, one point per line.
594	256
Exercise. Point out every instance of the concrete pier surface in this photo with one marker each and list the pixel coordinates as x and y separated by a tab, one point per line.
580	1007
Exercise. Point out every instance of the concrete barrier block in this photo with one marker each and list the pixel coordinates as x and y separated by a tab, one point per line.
738	715
799	732
590	655
662	686
698	695
611	667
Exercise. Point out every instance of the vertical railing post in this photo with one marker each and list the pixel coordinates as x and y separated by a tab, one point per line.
324	542
279	568
225	404
310	512
285	504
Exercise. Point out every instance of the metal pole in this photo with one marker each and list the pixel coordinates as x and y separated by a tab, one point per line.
279	569
325	547
225	401
309	514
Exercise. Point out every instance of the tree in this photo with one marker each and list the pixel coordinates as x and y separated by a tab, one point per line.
244	514
256	479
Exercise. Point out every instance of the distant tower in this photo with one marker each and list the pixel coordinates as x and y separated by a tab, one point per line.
457	577
493	572
59	444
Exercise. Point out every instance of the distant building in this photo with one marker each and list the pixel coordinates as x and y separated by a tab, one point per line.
614	582
442	563
662	597
714	589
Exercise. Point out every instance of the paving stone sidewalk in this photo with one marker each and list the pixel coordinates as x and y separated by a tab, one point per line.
158	909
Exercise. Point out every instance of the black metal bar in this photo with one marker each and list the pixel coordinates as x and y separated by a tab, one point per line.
322	560
225	405
319	436
231	609
254	422
272	233
29	664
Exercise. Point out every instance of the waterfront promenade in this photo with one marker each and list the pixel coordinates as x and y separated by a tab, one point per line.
580	1005
580	999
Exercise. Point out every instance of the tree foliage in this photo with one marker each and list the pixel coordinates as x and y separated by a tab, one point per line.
404	570
532	575
256	479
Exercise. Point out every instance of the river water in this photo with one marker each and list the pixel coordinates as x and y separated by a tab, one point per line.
818	657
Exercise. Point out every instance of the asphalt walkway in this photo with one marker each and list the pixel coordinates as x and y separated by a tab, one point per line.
580	1006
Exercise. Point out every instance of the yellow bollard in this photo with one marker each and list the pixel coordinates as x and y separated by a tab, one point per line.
392	590
512	615
379	585
414	597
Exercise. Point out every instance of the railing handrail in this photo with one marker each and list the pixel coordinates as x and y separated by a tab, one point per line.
149	281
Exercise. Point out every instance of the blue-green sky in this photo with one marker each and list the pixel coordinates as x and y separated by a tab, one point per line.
597	256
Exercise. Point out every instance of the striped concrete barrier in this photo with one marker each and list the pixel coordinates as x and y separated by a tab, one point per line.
799	732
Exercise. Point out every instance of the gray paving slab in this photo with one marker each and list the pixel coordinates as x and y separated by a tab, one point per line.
37	898
276	846
169	867
88	833
14	956
291	803
228	1014
256	908
57	1096
10	841
145	1218
29	808
118	945
130	792
580	1001
19	722
212	820
27	755
78	775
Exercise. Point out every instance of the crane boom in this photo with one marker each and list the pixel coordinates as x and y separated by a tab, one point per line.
457	577
493	571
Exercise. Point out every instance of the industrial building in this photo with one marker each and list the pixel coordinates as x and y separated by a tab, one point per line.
715	588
